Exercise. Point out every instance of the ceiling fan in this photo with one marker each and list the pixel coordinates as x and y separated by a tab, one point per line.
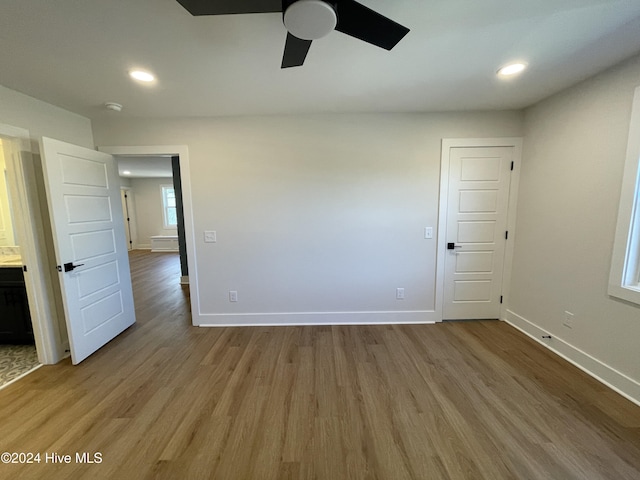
308	20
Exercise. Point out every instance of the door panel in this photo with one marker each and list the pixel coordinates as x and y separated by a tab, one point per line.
478	201
86	217
472	291
86	246
474	262
479	182
475	232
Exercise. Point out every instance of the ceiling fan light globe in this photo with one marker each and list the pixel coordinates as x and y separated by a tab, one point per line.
310	19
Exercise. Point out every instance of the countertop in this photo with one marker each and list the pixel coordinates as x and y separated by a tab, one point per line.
10	261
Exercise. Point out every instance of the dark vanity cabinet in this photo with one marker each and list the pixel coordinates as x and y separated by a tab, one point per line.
15	321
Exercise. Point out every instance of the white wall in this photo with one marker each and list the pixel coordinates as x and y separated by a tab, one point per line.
313	213
43	119
574	153
147	200
6	222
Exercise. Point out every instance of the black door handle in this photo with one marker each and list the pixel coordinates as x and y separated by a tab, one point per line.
451	246
70	266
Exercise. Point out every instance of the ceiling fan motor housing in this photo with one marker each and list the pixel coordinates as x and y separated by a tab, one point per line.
309	19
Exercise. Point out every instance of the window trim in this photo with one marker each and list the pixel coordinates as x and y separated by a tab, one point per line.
165	223
624	281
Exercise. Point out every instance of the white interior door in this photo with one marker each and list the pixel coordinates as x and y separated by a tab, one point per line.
479	182
86	217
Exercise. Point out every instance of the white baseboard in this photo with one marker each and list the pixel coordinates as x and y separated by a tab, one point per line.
617	381
184	280
313	318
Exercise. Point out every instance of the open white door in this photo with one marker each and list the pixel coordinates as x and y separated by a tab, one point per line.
83	193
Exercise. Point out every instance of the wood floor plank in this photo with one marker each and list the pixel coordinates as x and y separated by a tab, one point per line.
459	400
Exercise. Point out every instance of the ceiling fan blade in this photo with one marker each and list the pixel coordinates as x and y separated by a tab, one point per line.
227	7
361	22
295	51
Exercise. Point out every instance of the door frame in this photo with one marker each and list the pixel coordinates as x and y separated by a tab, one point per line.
129	224
47	317
447	145
182	152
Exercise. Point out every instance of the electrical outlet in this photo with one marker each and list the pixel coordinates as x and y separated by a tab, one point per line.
568	319
399	293
233	296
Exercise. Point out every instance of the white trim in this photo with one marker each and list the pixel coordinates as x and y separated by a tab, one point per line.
625	261
609	376
49	340
181	151
317	318
447	145
133	228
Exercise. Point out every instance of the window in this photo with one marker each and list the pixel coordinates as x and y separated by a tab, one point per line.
624	280
170	213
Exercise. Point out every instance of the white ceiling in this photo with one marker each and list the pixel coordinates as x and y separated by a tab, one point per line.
76	54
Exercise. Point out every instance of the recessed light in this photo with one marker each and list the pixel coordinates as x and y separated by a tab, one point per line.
142	76
512	69
126	172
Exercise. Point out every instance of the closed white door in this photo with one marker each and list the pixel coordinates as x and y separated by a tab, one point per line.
476	231
83	193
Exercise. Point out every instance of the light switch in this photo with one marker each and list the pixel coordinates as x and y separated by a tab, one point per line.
210	236
428	232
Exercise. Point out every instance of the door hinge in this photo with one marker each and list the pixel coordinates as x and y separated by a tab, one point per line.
24	268
506	235
500	298
511	166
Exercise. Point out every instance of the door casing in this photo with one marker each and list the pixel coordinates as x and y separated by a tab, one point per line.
47	315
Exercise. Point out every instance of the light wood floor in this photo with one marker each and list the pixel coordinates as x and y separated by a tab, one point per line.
468	400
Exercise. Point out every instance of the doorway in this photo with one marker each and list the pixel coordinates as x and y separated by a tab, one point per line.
44	294
25	184
152	202
18	355
478	191
179	155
